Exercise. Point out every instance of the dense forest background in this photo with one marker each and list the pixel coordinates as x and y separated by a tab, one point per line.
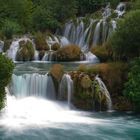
22	16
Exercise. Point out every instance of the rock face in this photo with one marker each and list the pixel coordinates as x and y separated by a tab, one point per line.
25	51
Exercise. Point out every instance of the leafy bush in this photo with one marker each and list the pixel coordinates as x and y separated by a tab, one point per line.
125	41
9	28
132	87
6	70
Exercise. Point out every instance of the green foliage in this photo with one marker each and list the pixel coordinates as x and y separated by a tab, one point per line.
132	87
17	10
90	6
6	70
43	19
126	40
61	9
136	4
9	28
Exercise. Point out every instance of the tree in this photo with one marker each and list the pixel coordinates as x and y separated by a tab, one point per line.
9	28
17	10
132	88
43	19
125	41
6	70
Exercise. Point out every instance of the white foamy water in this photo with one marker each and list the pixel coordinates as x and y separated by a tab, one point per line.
32	111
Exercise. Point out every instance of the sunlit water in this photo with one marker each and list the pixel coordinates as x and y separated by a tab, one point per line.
32	118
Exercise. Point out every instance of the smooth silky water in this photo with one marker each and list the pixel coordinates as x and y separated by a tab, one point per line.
37	118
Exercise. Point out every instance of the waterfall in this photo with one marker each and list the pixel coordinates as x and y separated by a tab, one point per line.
96	36
41	86
1	46
66	88
32	85
121	8
91	57
104	91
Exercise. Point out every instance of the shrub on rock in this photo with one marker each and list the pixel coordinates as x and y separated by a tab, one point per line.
69	53
57	71
25	52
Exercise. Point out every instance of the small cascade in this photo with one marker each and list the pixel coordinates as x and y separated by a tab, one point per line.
95	33
91	57
14	47
32	85
96	36
48	56
121	9
66	88
36	56
107	11
64	41
1	46
104	92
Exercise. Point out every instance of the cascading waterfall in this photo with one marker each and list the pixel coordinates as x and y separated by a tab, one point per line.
86	36
104	91
32	85
41	86
82	32
66	88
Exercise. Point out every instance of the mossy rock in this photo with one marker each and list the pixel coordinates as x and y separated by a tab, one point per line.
55	46
40	42
69	53
101	52
25	51
86	82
